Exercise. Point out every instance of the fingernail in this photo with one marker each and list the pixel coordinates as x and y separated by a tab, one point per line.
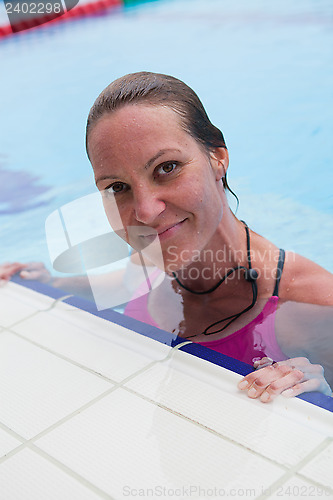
265	397
288	393
243	385
252	392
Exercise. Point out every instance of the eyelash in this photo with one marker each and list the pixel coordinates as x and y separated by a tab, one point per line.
167	163
108	189
159	167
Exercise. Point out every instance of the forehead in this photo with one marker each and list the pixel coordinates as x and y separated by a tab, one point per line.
146	127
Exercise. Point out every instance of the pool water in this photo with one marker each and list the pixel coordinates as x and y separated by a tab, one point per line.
264	71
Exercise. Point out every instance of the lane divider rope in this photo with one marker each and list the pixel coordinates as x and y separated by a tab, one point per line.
89	9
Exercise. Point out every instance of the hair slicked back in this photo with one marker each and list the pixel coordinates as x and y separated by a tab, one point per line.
156	89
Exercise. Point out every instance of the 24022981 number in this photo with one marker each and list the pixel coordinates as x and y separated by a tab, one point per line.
301	491
33	8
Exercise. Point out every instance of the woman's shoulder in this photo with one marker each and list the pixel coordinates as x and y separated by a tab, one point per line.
303	280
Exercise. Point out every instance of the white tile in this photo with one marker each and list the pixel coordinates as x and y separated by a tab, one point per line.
209	395
125	443
7	443
18	302
37	388
320	468
27	476
299	488
100	345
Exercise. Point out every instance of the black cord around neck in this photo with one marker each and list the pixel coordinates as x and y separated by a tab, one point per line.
250	275
213	287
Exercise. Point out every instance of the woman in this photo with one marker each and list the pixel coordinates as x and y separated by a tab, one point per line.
157	156
161	167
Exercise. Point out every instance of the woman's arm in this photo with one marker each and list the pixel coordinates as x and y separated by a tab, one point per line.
76	285
304	331
118	285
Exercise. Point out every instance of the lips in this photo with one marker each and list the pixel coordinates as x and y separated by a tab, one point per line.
169	230
149	233
162	231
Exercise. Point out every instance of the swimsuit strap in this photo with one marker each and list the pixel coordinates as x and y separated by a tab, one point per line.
279	269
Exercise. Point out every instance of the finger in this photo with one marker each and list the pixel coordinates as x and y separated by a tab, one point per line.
314	384
41	275
274	383
264	376
289	380
295	362
305	366
30	275
35	265
10	265
10	270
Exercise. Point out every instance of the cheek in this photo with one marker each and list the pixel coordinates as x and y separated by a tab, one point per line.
208	201
114	216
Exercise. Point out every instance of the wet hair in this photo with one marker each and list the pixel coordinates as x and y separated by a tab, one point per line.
155	89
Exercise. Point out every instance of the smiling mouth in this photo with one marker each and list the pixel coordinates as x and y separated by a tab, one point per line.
170	230
149	232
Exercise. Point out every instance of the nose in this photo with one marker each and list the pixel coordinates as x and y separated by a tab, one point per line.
148	204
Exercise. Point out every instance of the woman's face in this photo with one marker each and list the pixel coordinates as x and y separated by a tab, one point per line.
161	180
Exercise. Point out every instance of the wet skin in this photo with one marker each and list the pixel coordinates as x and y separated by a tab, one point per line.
162	181
144	159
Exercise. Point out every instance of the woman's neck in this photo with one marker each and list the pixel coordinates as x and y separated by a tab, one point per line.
226	250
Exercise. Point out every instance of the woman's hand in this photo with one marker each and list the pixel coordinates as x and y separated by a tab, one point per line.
29	271
289	378
8	269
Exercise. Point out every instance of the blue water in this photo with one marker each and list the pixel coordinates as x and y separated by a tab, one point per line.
264	71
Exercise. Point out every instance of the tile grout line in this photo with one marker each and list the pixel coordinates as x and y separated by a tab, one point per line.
30	443
27	442
294	470
13	434
204	427
53	304
328	490
70	472
121	384
63	357
303	462
188	419
84	367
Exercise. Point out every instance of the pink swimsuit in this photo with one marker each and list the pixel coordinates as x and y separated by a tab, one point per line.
248	344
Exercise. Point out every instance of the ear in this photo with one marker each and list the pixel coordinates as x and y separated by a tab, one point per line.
219	159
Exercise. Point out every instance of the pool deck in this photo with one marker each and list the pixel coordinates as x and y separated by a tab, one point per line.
91	409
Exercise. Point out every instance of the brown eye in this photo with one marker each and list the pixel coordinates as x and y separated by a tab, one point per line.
167	168
117	187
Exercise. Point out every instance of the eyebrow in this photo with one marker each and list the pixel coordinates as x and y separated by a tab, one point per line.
147	165
160	153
